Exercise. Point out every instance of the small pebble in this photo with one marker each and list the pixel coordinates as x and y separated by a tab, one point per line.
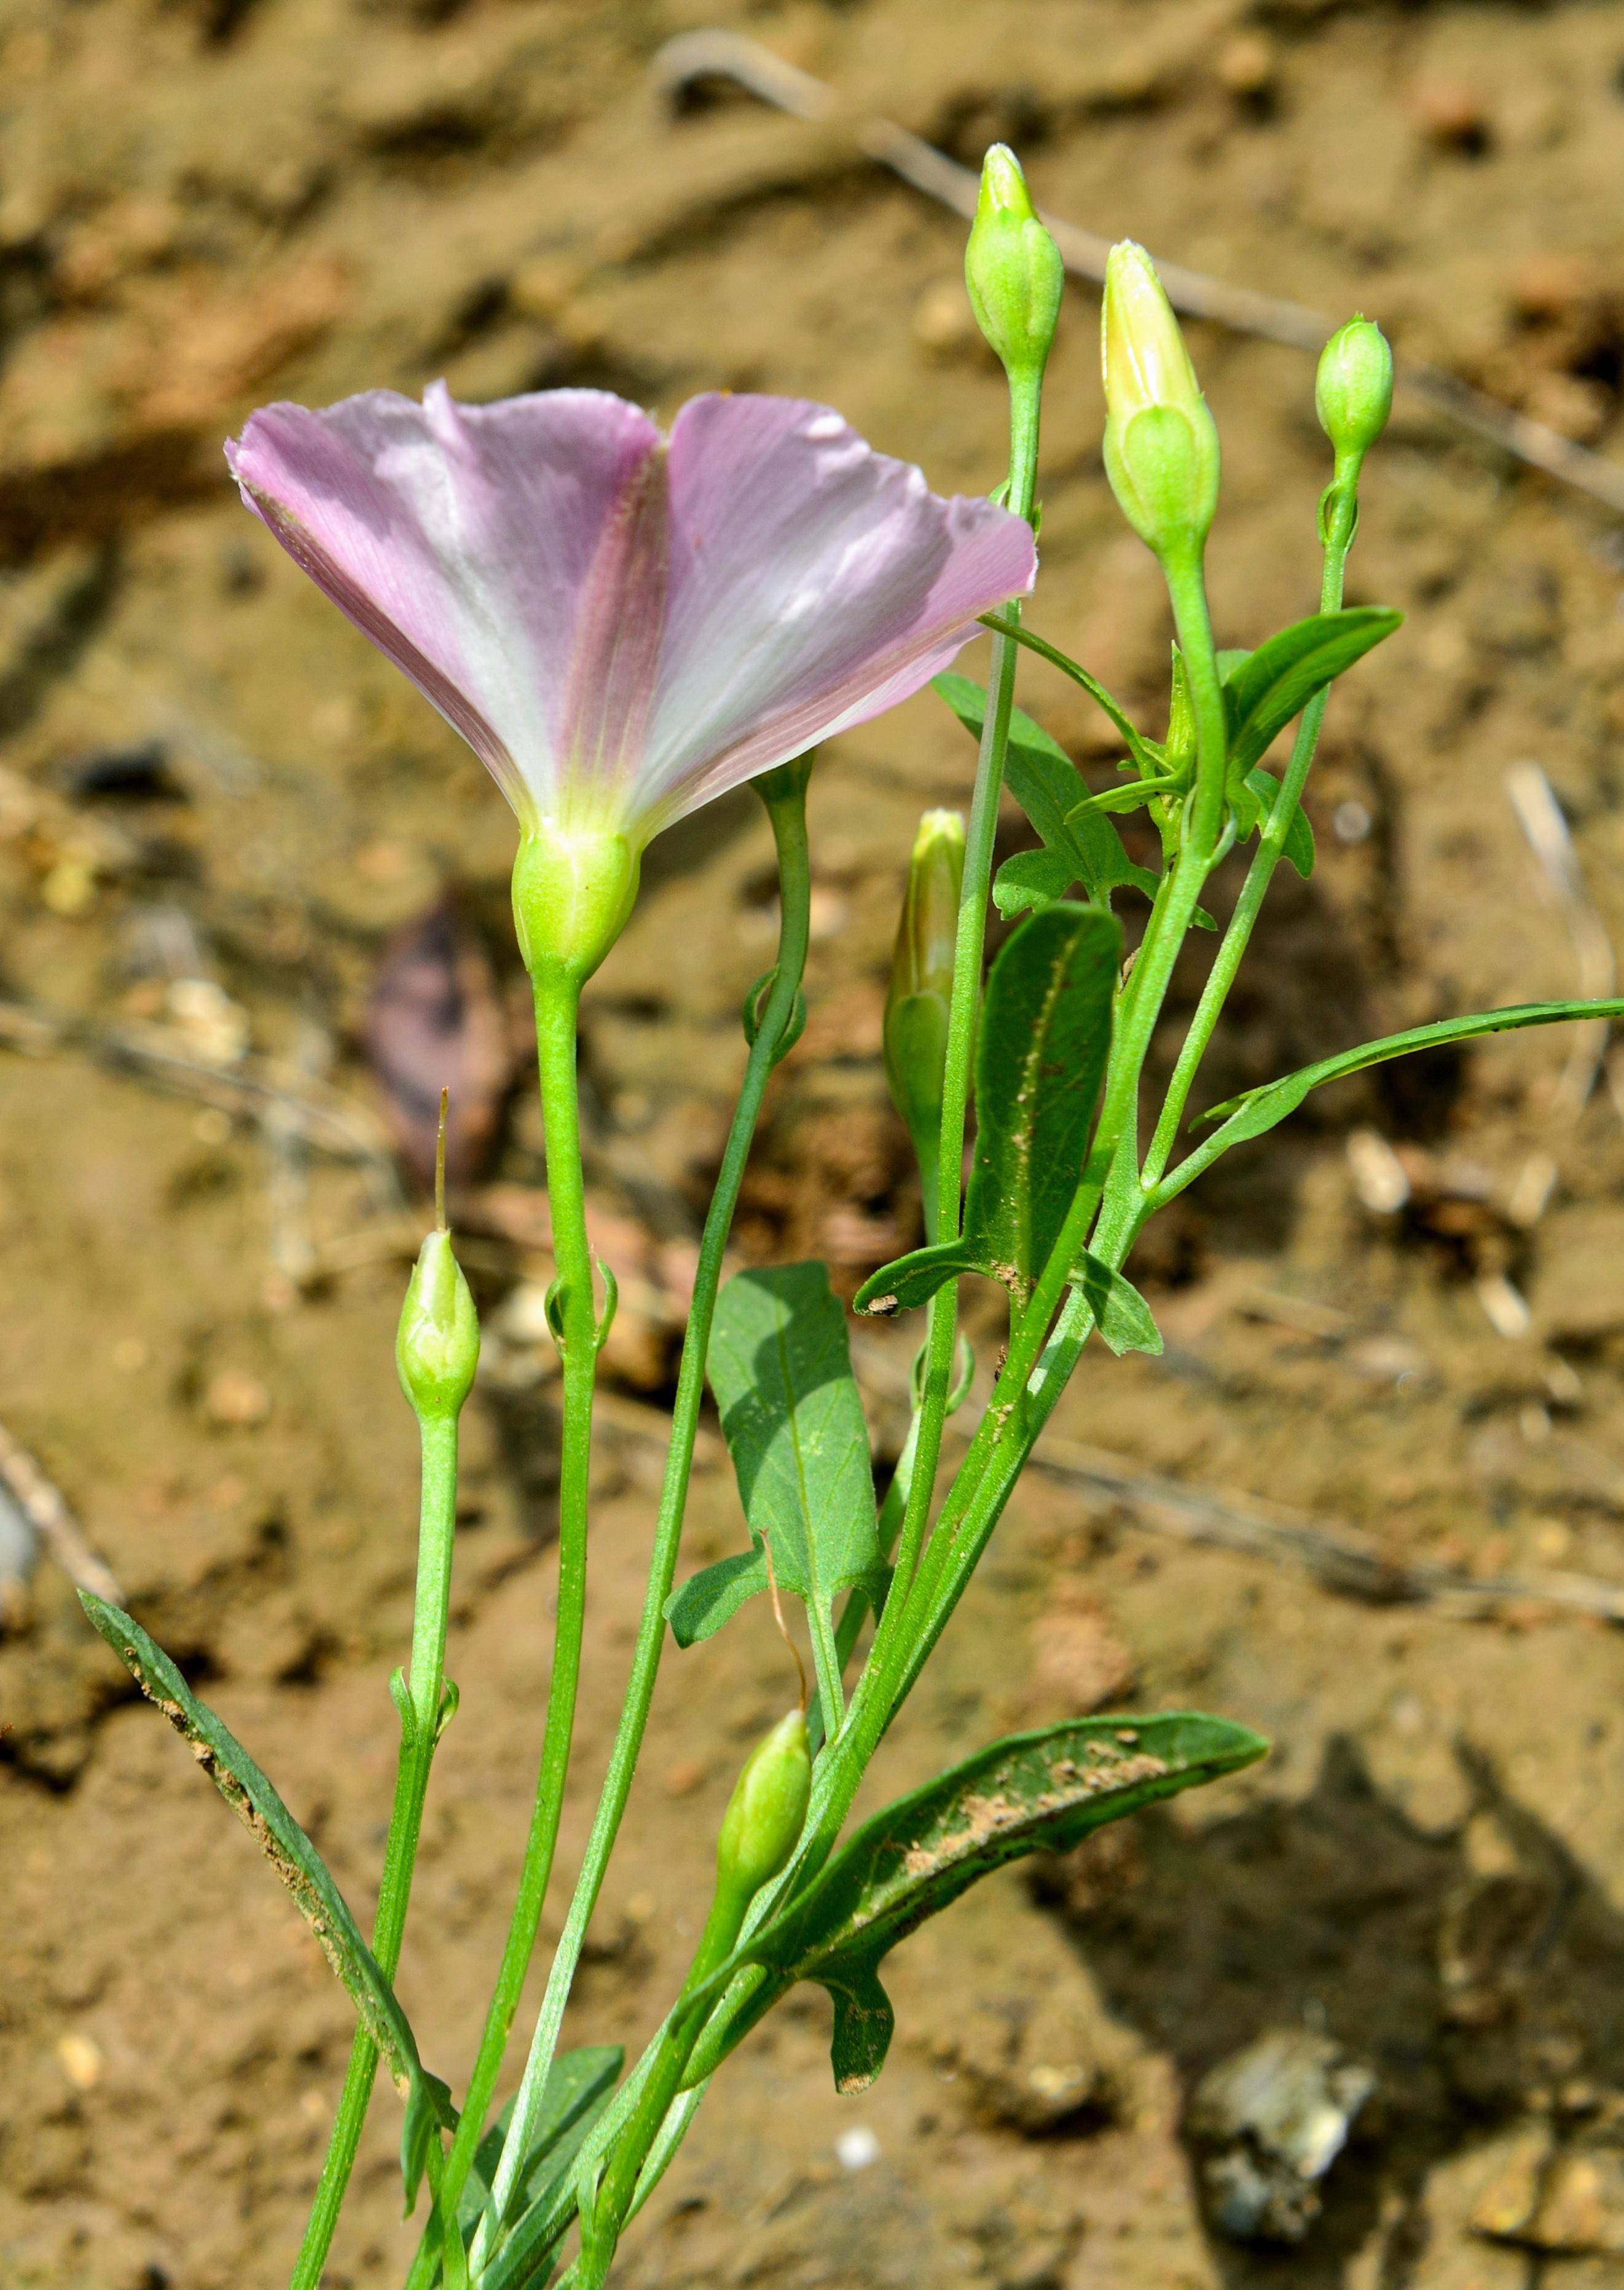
236	1400
81	2061
856	2149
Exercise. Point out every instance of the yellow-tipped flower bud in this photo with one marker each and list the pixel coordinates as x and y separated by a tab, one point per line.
1161	443
916	1024
1353	391
766	1812
1013	270
436	1348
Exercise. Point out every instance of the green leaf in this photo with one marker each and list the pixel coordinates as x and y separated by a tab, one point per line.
912	1280
1268	686
302	1868
1121	1313
578	2087
1041	1052
1032	879
1299	845
1046	784
1131	798
1257	1110
1041	1790
1144	751
1045	1036
780	1368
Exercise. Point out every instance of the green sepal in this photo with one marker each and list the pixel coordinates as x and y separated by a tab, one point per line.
1043	1790
1121	1313
755	1009
296	1862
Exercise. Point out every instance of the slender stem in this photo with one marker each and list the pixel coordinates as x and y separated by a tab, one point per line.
418	1730
788	811
962	1010
1341	503
556	1009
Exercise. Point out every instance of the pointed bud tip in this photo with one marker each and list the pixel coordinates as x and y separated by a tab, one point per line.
1004	186
1161	444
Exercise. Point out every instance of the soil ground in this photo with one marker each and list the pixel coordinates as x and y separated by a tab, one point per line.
218	810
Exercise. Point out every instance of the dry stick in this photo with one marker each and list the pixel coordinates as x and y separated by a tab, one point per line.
45	1509
1563	883
714	55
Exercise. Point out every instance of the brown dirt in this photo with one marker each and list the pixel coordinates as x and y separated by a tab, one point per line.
206	202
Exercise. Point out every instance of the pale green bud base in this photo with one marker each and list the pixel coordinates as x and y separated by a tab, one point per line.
573	890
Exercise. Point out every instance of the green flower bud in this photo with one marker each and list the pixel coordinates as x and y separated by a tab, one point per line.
1161	443
436	1348
1353	392
1013	270
915	1023
573	893
766	1813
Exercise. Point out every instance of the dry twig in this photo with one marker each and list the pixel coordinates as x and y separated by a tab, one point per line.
45	1509
715	54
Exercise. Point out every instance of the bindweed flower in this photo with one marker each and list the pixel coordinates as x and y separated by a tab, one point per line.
625	625
1012	270
1161	443
1353	389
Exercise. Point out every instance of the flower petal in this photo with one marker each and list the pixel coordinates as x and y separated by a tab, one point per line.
813	583
461	540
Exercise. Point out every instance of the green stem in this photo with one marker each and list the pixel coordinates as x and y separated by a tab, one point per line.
419	1728
1340	516
557	1004
786	800
962	1010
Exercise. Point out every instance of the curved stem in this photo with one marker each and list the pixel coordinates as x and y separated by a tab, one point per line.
558	1003
1341	514
787	808
962	1010
419	1728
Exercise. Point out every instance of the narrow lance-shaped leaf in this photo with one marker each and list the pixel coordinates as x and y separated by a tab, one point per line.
297	1862
578	2087
1041	1790
1265	689
1257	1110
780	1367
1041	1053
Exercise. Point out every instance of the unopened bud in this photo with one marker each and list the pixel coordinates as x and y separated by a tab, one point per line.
915	1023
1161	443
1354	389
764	1816
436	1348
1013	270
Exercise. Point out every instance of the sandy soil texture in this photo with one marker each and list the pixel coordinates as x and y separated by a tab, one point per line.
1404	1316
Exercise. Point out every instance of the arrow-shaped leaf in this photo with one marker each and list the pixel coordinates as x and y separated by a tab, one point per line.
300	1867
1045	1036
1047	1789
780	1368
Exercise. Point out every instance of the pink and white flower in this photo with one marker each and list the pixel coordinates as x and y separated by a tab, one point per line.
624	626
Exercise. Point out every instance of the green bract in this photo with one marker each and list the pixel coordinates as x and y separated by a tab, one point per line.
766	1811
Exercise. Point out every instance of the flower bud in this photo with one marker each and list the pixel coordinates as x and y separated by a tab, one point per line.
766	1812
1161	443
573	893
1012	270
1353	391
436	1347
915	1022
